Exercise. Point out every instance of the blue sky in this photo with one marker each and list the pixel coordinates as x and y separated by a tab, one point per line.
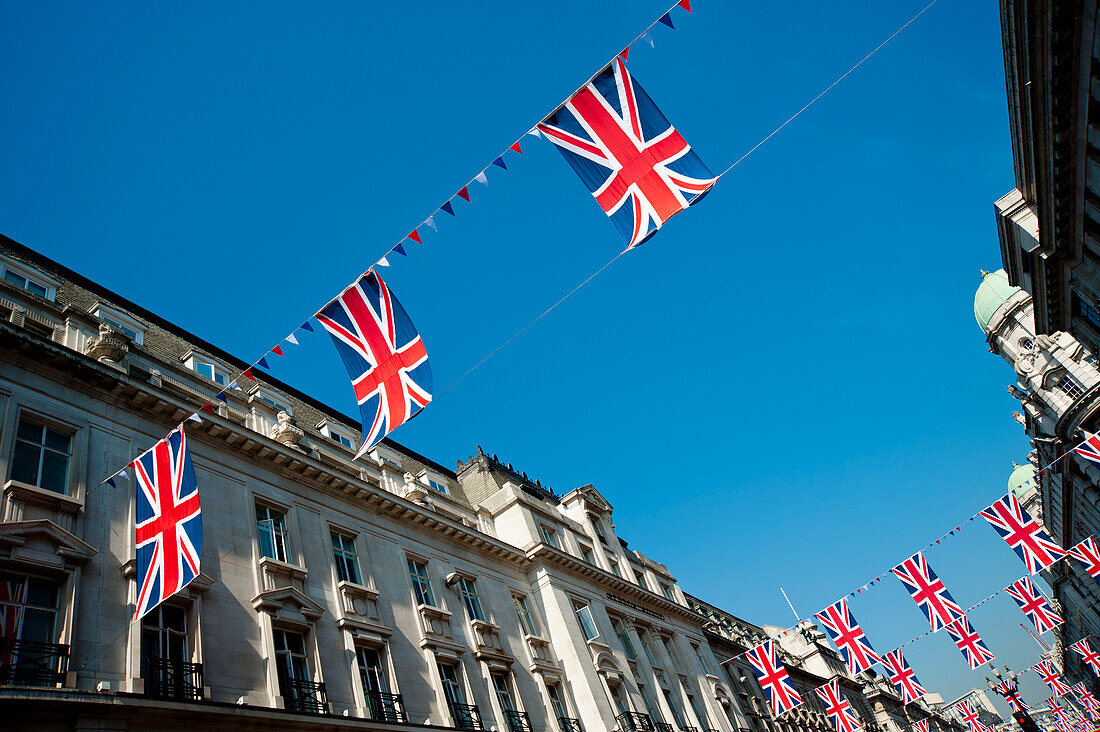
786	386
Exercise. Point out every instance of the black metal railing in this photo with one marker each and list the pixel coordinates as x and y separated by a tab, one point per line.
386	707
634	722
30	663
517	721
304	696
168	679
663	727
709	729
569	724
466	716
689	729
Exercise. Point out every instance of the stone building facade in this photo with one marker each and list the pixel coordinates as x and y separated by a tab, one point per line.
334	593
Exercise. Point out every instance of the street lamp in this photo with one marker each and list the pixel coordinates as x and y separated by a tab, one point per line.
1010	689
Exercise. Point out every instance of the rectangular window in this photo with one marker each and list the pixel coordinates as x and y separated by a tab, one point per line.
584	617
549	536
27	283
376	689
211	371
1088	312
615	568
467	590
504	693
640	575
557	703
292	669
164	635
278	406
347	561
621	704
644	637
422	584
526	619
1070	387
624	639
271	529
587	556
673	656
677	712
28	608
700	713
654	711
41	456
452	687
667	592
703	661
598	529
120	322
337	437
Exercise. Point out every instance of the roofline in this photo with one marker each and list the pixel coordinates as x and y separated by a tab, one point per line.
61	270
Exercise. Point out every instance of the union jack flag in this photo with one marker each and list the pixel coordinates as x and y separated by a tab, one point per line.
837	707
1088	701
168	530
1033	604
1051	677
1026	536
1088	554
638	167
383	353
1090	448
921	726
928	591
773	678
1012	697
902	676
970	643
1084	650
848	637
971	717
1054	706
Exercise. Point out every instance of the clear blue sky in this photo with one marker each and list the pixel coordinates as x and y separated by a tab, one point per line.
786	386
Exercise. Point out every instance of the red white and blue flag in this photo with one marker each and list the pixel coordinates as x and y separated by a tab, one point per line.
1025	535
636	165
1034	605
1084	650
168	530
773	678
1090	448
1087	700
1087	553
921	726
970	643
1012	697
1051	677
928	591
383	353
971	717
848	637
902	676
837	707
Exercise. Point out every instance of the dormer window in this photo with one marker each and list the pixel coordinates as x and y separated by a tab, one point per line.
434	482
337	434
120	322
29	279
206	367
271	399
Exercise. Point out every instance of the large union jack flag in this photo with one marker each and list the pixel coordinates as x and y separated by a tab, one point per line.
848	637
773	678
966	710
1087	700
1090	448
837	707
168	531
1051	677
1033	604
920	725
928	591
1087	554
1011	696
902	676
1025	535
383	353
638	167
970	643
1084	650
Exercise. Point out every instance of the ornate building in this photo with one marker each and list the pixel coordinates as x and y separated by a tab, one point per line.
1058	386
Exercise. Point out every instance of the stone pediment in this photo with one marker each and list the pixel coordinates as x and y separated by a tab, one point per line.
289	605
43	543
594	499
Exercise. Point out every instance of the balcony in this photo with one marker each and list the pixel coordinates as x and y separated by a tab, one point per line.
634	722
29	663
517	721
178	680
689	729
569	724
466	716
709	729
304	696
386	707
663	727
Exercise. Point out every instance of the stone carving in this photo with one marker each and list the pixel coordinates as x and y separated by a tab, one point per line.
109	347
414	491
1020	418
285	432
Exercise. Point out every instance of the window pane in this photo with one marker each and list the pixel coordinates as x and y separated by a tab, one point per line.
14	278
42	593
57	441
55	472
38	625
30	432
267	544
24	464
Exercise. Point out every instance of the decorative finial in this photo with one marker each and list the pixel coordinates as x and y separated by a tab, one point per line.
984	273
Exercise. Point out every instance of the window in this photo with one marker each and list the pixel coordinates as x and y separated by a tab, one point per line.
437	486
667	592
702	658
677	712
640	575
337	437
598	529
452	688
587	556
673	656
556	701
1070	387
347	561
624	639
28	607
273	401
526	619
422	584
120	322
654	712
467	590
549	536
29	280
41	456
504	693
619	698
292	669
271	528
1088	312
164	635
376	690
644	637
700	713
210	370
584	617
615	567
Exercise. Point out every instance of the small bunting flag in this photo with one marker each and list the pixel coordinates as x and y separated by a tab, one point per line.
234	385
400	250
306	327
383	262
515	146
248	373
430	221
685	4
648	38
625	53
464	193
208	408
499	162
277	350
667	20
535	131
262	363
447	207
195	418
480	178
415	236
220	396
292	339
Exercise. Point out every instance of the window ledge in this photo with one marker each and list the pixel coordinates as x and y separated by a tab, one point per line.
536	640
352	589
432	611
484	626
274	565
42	497
597	645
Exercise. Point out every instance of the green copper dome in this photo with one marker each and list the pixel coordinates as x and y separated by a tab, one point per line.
992	294
1022	479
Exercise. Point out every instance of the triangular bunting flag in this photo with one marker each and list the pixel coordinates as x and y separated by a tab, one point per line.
262	363
431	222
415	236
499	162
306	326
648	38
248	373
515	146
400	250
111	482
447	207
667	20
220	396
278	351
464	193
625	53
480	178
195	418
383	262
685	4
290	339
534	131
234	385
208	408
